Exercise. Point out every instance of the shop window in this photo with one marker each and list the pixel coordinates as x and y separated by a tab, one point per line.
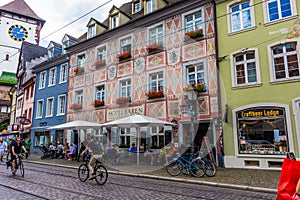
262	130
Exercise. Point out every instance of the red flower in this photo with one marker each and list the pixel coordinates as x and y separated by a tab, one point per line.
154	46
155	93
125	55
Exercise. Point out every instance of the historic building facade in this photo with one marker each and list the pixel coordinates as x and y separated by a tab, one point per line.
138	61
259	66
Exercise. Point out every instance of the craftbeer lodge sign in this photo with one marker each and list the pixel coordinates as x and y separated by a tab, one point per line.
261	112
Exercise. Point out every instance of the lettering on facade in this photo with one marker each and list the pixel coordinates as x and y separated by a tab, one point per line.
124	112
261	113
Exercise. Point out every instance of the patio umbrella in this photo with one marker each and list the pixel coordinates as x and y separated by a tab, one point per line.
137	121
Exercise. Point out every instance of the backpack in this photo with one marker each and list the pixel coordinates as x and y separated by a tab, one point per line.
95	147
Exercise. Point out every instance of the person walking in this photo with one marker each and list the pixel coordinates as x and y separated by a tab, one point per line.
3	148
27	147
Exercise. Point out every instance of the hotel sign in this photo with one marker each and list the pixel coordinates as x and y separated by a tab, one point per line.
125	112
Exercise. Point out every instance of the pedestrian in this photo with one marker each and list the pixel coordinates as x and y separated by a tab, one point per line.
27	147
3	148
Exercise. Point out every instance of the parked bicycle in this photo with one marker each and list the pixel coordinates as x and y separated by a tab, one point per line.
18	164
186	165
99	169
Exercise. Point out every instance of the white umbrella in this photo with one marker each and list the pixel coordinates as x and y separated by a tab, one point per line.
137	121
76	124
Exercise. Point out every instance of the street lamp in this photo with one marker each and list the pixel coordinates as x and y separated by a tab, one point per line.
191	98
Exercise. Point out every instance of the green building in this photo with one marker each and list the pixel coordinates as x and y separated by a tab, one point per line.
258	46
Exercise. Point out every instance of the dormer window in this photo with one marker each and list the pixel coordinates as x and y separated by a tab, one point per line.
65	45
114	21
92	31
150	6
136	7
51	52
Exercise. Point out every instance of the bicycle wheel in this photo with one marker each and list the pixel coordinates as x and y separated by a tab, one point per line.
210	168
21	167
174	168
83	172
197	168
101	174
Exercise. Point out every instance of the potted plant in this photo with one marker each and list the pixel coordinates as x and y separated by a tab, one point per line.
123	100
155	94
156	46
98	103
78	69
124	56
193	34
100	63
199	87
75	106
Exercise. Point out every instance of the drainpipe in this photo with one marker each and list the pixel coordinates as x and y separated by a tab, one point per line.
219	121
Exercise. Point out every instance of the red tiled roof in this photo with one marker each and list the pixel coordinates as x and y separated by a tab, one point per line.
20	7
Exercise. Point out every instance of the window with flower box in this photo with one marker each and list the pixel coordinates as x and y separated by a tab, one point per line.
156	38
99	95
101	56
285	61
241	16
125	48
193	24
80	63
196	74
79	97
156	85
124	91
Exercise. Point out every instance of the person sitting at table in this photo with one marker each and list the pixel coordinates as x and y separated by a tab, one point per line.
148	155
52	148
115	154
132	151
59	150
72	152
171	153
66	150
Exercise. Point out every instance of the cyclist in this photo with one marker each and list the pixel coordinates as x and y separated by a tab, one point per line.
93	146
16	148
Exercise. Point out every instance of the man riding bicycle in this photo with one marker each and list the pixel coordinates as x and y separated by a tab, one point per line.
93	146
16	148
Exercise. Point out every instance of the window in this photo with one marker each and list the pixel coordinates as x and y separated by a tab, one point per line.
241	16
245	68
61	105
125	137
137	7
156	34
31	91
39	109
156	81
79	97
91	31
42	81
65	45
101	53
51	52
4	109
194	21
285	61
157	137
50	104
196	73
114	21
52	77
100	93
125	45
81	60
125	88
150	6
27	93
278	9
29	113
63	73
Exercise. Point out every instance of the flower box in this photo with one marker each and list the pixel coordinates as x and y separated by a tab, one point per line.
123	100
98	103
199	87
124	56
155	94
193	35
154	47
99	63
78	69
75	106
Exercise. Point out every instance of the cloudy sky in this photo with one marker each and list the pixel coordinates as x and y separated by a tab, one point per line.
58	13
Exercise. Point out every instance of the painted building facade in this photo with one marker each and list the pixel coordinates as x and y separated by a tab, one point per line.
259	66
138	61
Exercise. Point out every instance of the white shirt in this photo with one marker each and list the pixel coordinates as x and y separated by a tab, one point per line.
3	146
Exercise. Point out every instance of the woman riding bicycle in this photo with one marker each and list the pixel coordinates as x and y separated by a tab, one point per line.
93	146
16	148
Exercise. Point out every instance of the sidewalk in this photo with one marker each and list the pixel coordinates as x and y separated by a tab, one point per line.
257	180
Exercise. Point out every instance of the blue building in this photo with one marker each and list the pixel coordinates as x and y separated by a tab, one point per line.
50	100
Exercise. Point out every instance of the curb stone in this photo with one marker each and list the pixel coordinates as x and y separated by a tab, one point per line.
224	185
